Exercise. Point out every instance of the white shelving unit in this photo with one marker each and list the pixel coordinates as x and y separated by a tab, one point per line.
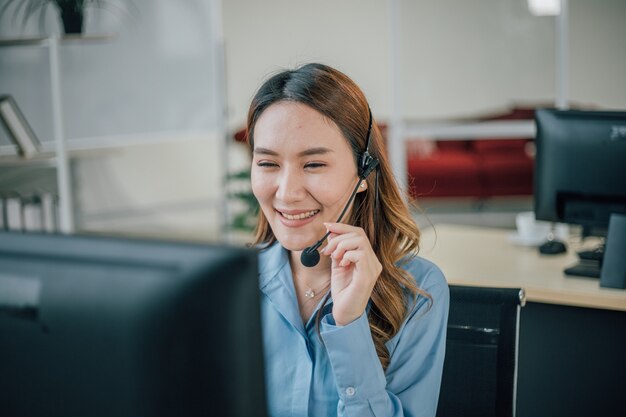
61	149
66	214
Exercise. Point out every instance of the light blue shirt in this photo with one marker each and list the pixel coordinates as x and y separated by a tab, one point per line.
343	376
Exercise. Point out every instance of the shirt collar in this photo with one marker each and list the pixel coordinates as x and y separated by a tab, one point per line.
271	260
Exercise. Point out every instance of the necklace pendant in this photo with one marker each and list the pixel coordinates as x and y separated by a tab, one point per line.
309	293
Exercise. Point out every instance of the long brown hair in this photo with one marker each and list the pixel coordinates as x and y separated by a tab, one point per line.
391	230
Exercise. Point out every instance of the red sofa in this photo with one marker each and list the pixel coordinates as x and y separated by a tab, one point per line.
474	168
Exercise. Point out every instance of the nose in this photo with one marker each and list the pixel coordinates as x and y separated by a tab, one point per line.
290	187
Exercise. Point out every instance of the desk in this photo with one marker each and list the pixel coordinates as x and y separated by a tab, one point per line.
572	349
485	257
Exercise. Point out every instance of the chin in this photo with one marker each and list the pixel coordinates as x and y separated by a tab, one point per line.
295	244
295	241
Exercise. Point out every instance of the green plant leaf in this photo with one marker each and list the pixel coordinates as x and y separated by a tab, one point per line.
240	175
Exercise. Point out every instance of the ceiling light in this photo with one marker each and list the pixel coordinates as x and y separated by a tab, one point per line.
544	7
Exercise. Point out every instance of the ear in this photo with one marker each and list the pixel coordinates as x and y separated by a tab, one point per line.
362	187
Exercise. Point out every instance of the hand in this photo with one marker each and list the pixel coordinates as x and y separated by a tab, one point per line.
354	271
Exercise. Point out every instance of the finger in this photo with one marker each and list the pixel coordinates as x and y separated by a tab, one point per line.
351	257
359	260
342	228
337	240
327	241
349	242
332	241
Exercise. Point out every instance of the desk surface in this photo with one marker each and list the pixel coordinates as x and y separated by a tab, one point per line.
482	256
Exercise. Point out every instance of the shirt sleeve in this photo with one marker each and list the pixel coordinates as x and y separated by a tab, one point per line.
410	385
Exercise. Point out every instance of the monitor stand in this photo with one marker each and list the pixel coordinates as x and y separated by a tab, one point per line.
590	263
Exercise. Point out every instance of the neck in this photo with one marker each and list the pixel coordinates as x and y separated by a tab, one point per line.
314	277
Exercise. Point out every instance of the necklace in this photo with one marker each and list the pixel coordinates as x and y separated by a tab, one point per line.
309	293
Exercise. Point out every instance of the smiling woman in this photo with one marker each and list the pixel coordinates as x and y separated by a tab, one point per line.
374	345
302	172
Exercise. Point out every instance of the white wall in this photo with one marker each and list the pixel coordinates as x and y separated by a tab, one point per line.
171	189
265	36
458	57
466	57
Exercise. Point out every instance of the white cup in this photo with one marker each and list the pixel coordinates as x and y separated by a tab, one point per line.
561	231
528	228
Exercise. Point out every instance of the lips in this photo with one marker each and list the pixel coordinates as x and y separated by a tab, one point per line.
298	216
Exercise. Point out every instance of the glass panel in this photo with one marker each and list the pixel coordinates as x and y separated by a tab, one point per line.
464	58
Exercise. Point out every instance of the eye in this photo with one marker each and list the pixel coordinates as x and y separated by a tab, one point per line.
266	164
313	165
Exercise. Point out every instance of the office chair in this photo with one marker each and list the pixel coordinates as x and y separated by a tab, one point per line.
480	368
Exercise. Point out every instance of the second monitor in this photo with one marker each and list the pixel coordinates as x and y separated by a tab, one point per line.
580	172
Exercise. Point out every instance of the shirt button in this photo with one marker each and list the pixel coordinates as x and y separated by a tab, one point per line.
350	391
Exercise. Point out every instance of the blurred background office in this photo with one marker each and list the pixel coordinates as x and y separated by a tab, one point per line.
140	116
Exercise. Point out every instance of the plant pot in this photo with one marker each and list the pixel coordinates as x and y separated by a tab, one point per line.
71	13
72	18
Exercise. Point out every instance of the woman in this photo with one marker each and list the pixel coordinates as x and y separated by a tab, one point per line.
362	332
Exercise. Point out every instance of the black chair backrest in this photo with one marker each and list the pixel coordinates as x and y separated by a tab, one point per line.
480	368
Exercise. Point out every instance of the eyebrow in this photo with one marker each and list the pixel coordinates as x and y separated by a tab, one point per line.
306	152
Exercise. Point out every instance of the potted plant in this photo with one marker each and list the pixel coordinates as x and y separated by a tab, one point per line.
71	12
244	218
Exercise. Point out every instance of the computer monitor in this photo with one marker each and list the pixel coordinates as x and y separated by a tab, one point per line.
95	326
580	171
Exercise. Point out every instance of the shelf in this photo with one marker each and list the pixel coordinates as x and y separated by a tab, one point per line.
88	147
23	42
44	41
43	159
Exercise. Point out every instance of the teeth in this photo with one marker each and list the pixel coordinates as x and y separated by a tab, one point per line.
301	215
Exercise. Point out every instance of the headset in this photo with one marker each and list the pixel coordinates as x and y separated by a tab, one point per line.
366	164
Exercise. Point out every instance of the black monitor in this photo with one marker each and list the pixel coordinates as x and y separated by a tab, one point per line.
580	172
95	326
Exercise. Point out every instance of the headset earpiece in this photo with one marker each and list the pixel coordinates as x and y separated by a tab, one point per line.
367	162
